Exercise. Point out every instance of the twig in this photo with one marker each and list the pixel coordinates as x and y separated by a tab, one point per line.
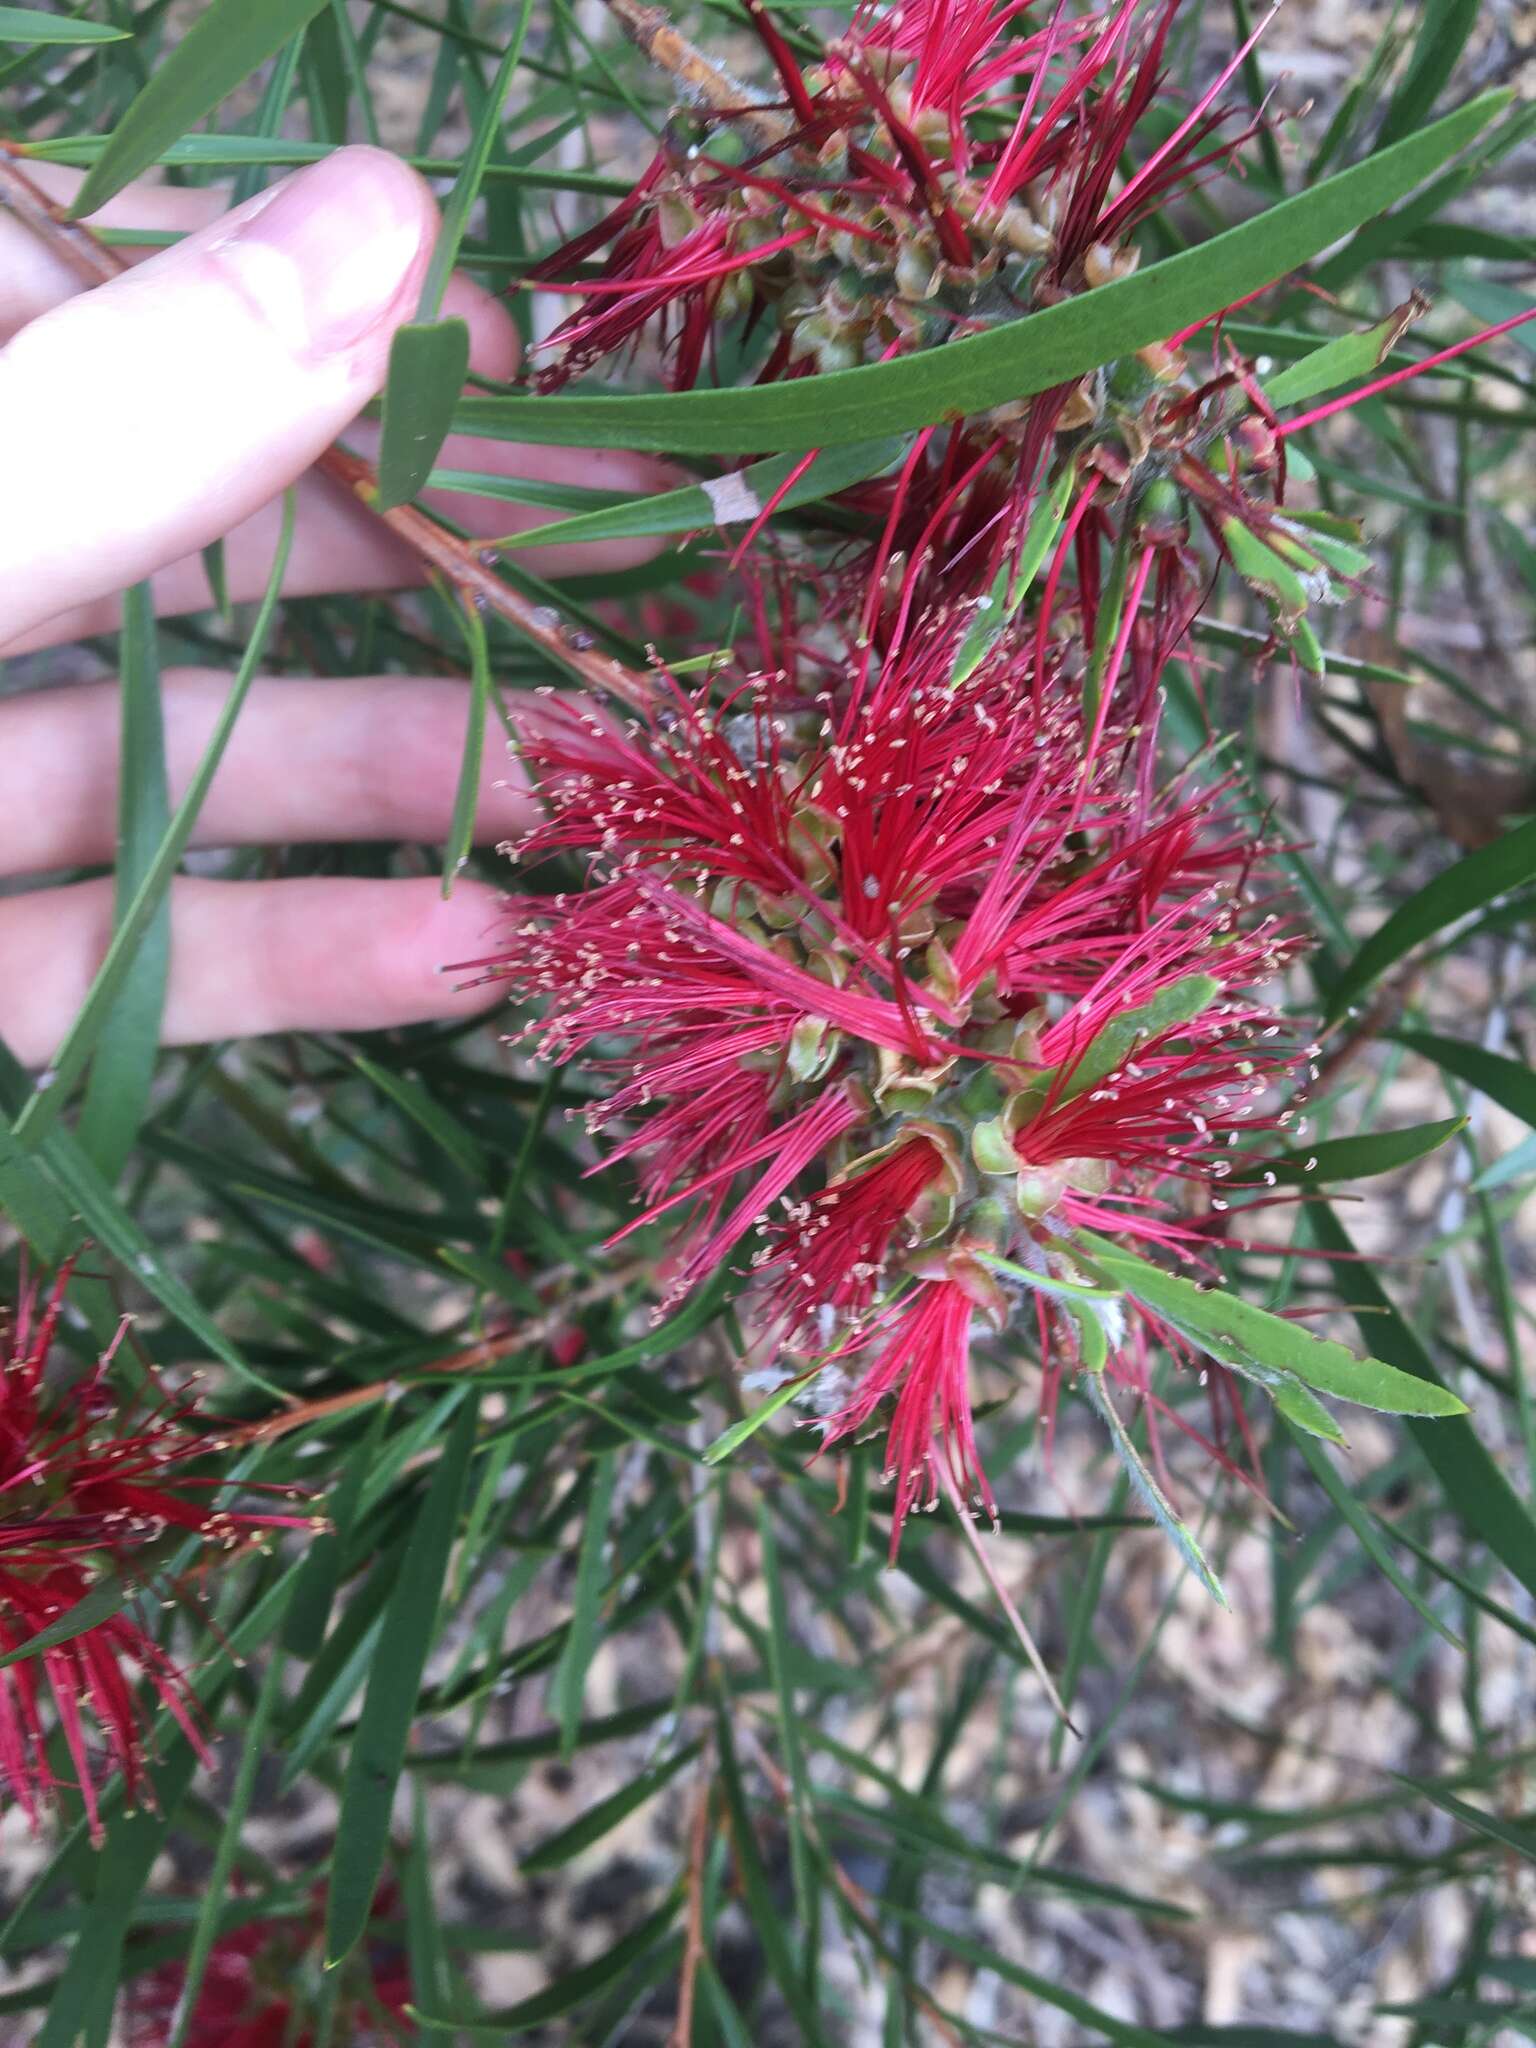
700	80
457	561
473	1358
693	1942
1004	1597
1383	1010
89	258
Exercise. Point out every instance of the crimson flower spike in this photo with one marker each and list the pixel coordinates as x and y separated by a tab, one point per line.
884	213
90	1489
892	971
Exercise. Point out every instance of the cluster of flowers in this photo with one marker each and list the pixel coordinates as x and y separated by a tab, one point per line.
96	1493
902	976
934	173
905	983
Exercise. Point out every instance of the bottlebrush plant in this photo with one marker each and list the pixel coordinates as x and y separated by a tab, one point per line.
942	1356
904	977
96	1497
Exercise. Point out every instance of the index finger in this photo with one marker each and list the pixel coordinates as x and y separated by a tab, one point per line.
192	389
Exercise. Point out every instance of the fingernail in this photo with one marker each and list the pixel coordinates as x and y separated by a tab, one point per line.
331	253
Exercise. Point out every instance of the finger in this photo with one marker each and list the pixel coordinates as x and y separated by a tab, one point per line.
360	758
253	957
337	544
340	546
190	391
34	278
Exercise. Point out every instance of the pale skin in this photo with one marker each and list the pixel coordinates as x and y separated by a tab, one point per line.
139	422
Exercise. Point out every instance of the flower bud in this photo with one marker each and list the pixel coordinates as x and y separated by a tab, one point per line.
917	275
1018	230
1103	264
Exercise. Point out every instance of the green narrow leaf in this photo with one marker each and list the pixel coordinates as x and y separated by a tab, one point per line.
389	1705
224	152
325	71
31	1202
27	25
423	1934
1370	1153
466	186
1473	882
601	1819
1162	1509
1510	1083
763	1909
423	1108
570	1678
461	829
105	1599
319	1575
1489	301
1300	1406
1014	580
567	1991
1179	1003
1475	1488
1512	1165
1125	2033
80	1040
735	498
733	1438
1468	1588
1239	1334
1008	362
781	1661
122	1870
216	1883
1443	32
275	96
220	51
1340	361
97	1212
123	1070
1368	1535
1518	1835
428	361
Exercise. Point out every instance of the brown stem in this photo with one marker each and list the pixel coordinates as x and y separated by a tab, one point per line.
700	80
473	1358
693	1941
455	560
90	259
1384	1010
459	564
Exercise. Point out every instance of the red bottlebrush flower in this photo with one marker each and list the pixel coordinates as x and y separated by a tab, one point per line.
924	1367
896	967
823	1265
89	1487
880	210
264	1979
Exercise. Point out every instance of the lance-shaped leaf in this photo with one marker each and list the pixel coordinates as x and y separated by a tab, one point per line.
1268	1348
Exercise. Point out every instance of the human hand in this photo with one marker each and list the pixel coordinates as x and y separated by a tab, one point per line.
147	418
